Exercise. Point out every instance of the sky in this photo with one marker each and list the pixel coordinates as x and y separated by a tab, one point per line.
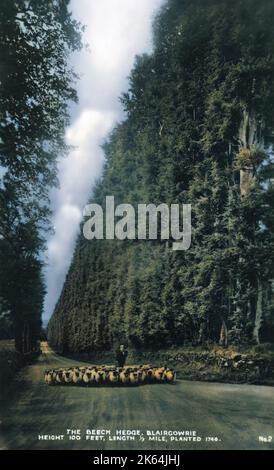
116	30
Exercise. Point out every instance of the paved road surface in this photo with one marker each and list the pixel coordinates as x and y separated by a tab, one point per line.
235	414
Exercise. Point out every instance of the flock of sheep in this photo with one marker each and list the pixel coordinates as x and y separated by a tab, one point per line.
109	375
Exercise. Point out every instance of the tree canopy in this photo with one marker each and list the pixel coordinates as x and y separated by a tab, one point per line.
198	130
36	85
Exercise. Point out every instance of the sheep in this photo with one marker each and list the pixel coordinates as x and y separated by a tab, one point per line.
134	377
49	379
54	374
67	376
124	376
169	375
113	376
100	376
59	376
150	375
94	372
88	376
77	376
159	373
142	375
46	375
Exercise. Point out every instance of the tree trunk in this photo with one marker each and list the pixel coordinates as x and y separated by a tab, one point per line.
249	136
259	314
18	337
250	131
246	179
223	341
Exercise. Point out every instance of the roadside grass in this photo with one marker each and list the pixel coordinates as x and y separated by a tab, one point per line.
11	361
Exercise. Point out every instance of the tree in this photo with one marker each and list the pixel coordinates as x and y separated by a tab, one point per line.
36	85
198	130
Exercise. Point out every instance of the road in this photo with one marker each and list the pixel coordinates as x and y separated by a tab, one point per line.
234	414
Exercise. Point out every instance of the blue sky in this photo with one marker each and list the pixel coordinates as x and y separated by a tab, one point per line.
116	30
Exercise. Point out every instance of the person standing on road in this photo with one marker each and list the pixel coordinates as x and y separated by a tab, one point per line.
121	356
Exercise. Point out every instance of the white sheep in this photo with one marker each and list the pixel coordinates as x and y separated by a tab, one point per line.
59	376
113	376
100	376
67	375
134	377
77	376
49	377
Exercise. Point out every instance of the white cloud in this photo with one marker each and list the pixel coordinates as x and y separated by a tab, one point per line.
116	30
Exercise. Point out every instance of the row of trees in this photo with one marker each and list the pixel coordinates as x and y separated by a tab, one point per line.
199	130
36	84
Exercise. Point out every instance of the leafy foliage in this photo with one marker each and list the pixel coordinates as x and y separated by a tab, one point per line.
204	97
36	83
